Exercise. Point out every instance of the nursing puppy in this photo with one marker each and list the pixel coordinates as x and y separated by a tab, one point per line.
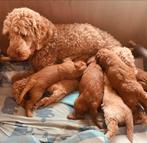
122	79
58	91
115	112
40	81
91	93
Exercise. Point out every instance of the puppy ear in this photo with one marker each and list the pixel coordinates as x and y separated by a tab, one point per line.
91	60
80	65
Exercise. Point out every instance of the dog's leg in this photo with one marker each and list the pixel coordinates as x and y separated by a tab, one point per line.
94	114
28	87
80	110
75	116
129	124
112	127
35	95
58	90
54	98
29	108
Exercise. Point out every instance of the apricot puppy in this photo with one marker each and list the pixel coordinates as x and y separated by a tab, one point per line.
115	112
58	91
122	79
40	81
91	93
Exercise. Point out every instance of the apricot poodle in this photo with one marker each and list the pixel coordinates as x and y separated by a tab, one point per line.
91	93
116	112
122	79
34	37
41	80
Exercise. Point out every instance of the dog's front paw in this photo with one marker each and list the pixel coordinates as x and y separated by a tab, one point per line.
43	102
72	116
75	116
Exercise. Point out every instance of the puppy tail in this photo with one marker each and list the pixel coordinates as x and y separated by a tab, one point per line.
129	124
28	87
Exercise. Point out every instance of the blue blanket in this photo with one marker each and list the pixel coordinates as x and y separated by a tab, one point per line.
48	125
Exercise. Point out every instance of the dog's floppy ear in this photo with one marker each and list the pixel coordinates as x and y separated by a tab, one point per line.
38	46
5	30
6	26
44	31
91	60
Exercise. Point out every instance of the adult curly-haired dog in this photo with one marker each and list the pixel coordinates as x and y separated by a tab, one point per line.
34	37
122	79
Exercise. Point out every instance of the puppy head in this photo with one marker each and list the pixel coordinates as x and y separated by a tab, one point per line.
80	66
91	60
103	57
28	31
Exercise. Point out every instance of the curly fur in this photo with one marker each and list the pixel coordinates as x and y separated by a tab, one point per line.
28	31
34	37
116	112
41	80
58	91
142	78
18	86
126	56
123	79
91	93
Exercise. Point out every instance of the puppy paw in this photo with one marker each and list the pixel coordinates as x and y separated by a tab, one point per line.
29	113
43	102
72	116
